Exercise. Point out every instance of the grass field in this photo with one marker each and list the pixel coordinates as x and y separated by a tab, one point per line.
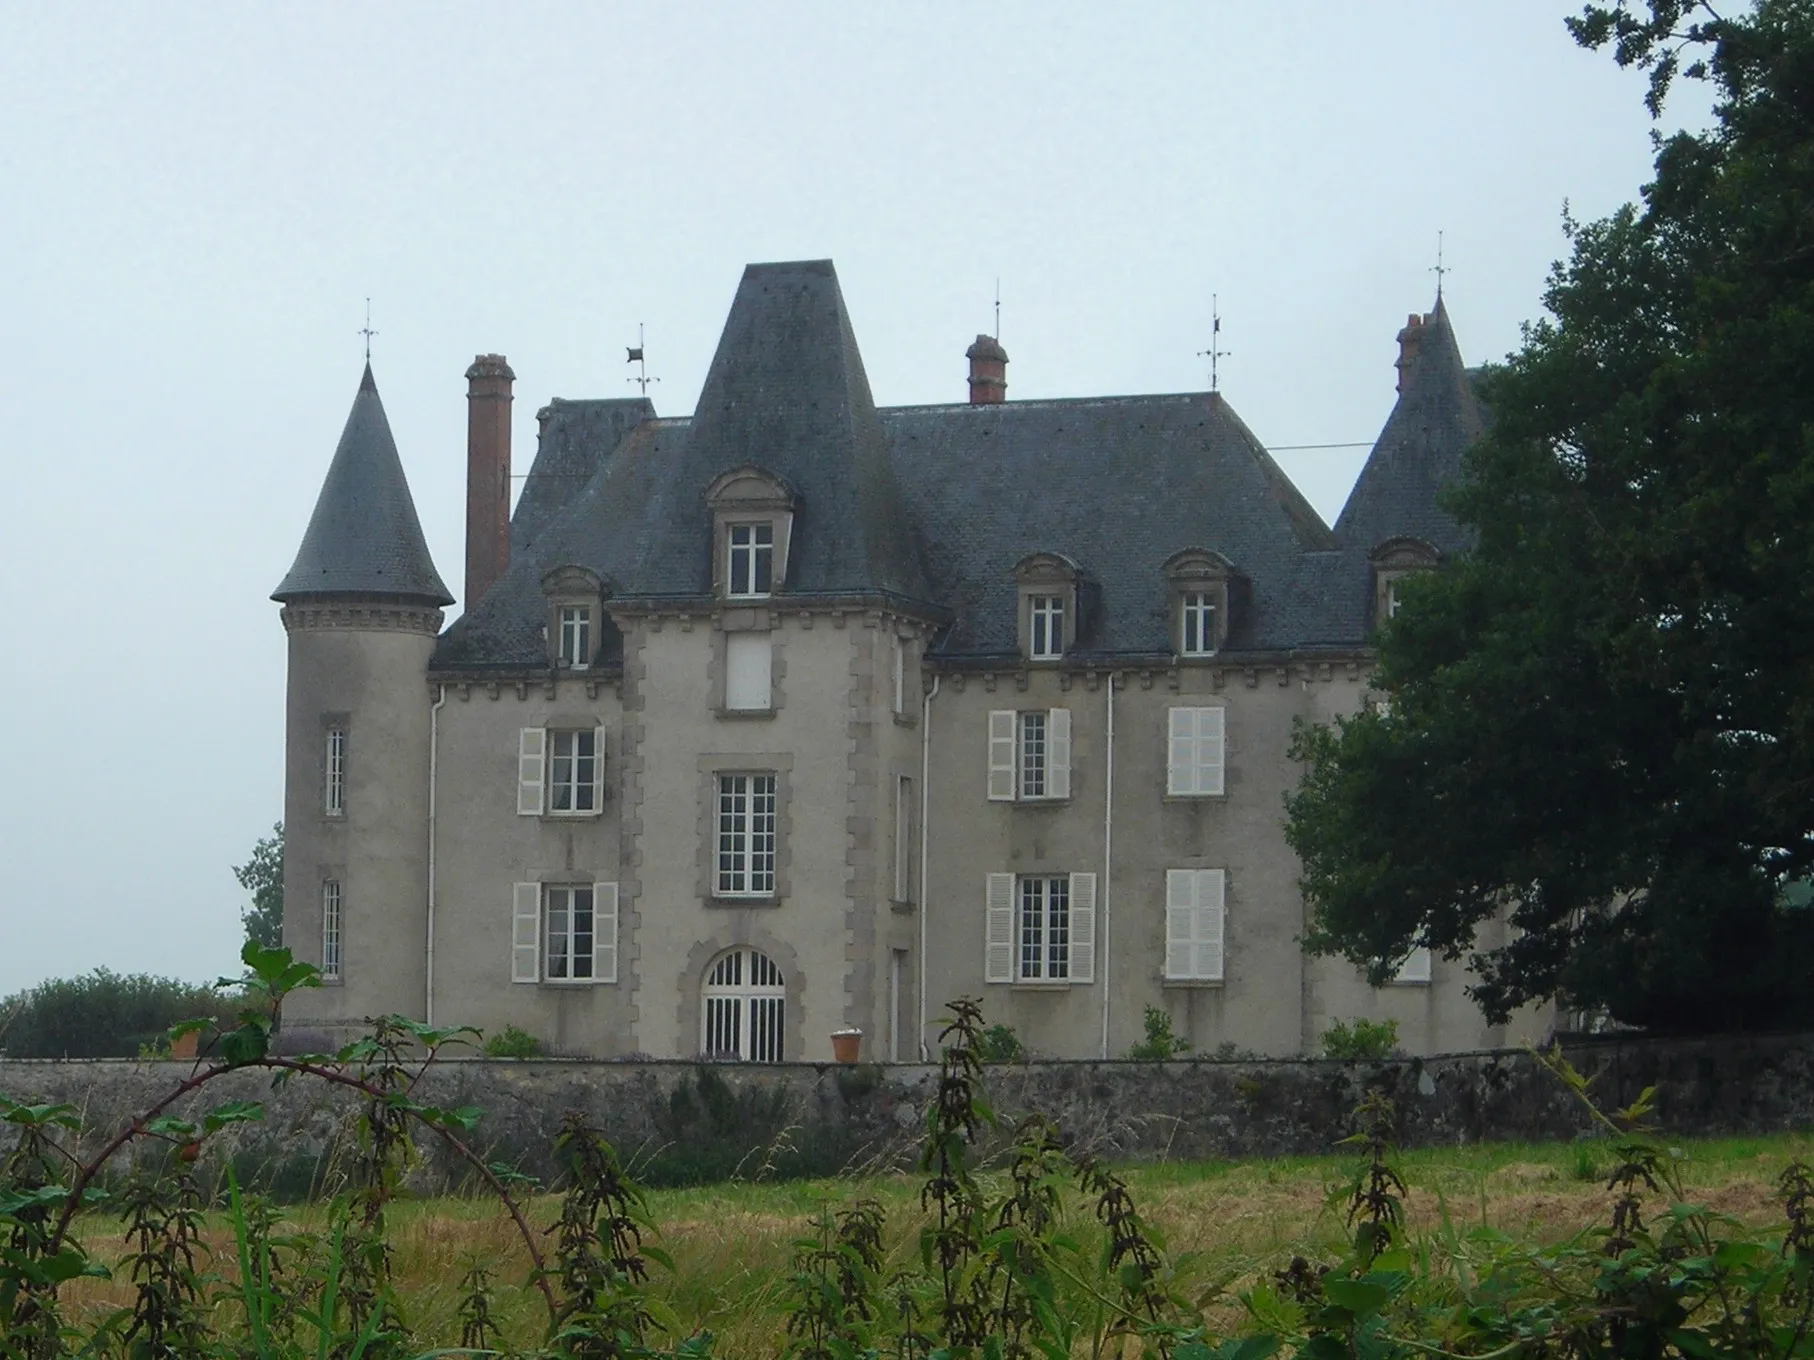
1223	1224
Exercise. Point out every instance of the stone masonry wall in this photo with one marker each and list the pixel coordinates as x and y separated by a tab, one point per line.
683	1122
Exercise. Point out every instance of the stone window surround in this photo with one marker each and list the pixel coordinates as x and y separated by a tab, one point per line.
745	495
745	930
573	586
1038	574
1199	571
708	767
750	618
1392	561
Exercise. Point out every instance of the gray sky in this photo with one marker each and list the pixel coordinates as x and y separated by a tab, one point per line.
199	197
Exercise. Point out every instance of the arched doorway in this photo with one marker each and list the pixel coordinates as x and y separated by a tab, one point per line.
745	1006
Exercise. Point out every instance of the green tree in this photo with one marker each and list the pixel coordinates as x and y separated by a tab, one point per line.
102	1014
1602	718
262	876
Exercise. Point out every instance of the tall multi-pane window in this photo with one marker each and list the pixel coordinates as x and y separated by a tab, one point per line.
330	930
1198	624
745	1007
751	568
334	797
568	938
1033	754
746	835
903	838
1044	928
573	770
1045	627
898	661
576	636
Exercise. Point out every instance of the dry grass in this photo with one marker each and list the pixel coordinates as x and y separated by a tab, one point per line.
1224	1223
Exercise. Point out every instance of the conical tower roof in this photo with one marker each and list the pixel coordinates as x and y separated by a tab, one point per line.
1420	450
364	537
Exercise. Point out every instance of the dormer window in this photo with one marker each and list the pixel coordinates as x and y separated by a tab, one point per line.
1045	627
1204	585
1197	623
750	568
1394	562
752	525
1048	605
576	649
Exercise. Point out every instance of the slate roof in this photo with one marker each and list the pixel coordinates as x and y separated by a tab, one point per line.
932	506
364	537
1419	451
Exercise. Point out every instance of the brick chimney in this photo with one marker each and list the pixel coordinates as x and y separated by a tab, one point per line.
988	371
487	474
1410	339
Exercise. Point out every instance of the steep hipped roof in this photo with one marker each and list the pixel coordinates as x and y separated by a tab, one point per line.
1419	451
364	537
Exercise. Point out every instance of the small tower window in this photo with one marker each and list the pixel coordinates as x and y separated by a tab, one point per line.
330	930
576	636
751	567
334	796
1199	624
1046	627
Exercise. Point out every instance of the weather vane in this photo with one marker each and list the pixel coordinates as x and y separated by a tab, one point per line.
368	332
1439	269
998	309
642	378
1215	350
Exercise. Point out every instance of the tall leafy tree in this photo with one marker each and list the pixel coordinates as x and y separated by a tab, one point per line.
1601	720
262	876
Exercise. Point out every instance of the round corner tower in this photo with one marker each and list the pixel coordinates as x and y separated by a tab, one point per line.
362	608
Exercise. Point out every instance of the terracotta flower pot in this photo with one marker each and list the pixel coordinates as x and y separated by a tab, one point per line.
846	1044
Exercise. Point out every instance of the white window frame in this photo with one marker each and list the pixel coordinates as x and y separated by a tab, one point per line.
1197	623
542	913
904	811
743	1008
746	835
334	784
1029	755
1045	627
744	542
576	647
333	929
1021	918
547	778
1416	968
1196	761
1196	925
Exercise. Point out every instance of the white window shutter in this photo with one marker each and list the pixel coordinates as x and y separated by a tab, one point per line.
1180	750
526	933
1001	755
748	671
532	761
1212	923
1209	750
604	932
1058	753
1083	927
598	770
998	931
1180	922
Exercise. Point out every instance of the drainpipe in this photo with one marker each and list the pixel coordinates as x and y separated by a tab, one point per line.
1108	860
434	745
925	839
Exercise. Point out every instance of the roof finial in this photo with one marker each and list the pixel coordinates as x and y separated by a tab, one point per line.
1215	350
1438	269
367	330
642	378
998	307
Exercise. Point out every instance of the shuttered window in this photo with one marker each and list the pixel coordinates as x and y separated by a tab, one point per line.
563	932
1039	928
1029	754
1194	757
1195	924
748	671
560	771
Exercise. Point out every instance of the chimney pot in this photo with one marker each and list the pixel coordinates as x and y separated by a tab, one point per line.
1410	340
488	400
988	371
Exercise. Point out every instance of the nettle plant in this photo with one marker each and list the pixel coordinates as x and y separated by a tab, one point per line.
1040	1256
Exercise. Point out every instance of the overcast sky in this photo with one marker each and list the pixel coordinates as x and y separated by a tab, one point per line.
198	198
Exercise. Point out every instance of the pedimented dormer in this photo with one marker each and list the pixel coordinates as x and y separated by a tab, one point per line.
1047	603
1204	592
1393	561
576	616
752	531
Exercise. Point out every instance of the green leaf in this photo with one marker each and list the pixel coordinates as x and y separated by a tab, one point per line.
234	1112
1359	1297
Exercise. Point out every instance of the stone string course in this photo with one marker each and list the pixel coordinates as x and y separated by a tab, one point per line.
689	1121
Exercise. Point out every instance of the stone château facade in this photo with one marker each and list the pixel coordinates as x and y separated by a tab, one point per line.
801	714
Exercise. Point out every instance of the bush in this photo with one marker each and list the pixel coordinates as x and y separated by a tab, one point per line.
1160	1043
103	1015
511	1042
1000	1044
1361	1039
